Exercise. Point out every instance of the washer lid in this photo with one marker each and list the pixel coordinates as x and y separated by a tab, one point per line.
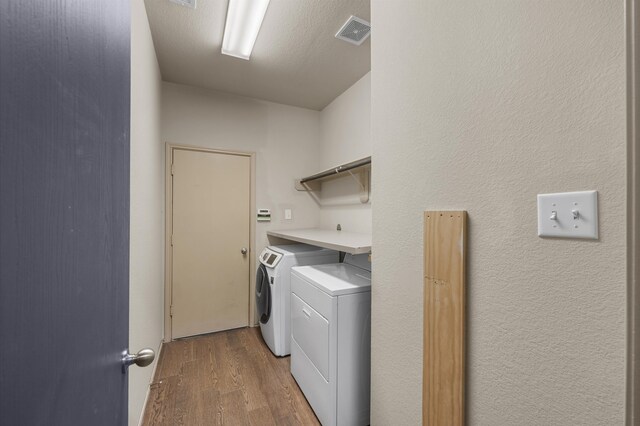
335	279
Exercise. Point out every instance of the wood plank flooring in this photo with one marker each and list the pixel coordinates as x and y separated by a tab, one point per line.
226	378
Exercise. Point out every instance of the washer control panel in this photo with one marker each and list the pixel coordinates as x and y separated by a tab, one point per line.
270	258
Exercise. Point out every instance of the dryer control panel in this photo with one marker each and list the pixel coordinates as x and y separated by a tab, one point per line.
270	258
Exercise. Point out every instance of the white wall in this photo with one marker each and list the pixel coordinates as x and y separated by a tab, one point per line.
284	138
487	105
146	279
345	136
346	125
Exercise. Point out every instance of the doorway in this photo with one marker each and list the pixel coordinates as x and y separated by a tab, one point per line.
209	235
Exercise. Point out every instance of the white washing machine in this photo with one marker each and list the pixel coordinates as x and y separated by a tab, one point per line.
331	338
273	289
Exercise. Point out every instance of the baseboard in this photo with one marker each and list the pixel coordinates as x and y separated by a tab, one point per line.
153	376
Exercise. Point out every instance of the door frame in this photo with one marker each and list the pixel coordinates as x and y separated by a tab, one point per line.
632	17
168	264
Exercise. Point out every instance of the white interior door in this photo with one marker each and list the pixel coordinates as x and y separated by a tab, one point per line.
211	234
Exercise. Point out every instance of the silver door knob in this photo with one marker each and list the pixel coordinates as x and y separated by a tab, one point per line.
143	358
243	250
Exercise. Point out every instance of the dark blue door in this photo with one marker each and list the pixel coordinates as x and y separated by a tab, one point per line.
64	211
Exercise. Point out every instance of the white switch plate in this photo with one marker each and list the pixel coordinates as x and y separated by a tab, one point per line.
287	214
565	225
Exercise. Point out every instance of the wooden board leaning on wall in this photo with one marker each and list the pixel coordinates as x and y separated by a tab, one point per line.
444	318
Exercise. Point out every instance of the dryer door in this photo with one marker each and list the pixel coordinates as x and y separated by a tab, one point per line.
263	295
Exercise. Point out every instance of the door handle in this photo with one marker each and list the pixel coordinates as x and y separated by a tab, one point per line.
243	250
143	358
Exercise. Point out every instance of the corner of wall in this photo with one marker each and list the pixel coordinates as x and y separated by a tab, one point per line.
146	278
345	135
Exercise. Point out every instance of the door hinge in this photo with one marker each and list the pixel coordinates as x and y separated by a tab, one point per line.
170	310
171	240
172	169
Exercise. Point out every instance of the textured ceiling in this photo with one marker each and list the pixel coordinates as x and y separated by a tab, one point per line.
296	59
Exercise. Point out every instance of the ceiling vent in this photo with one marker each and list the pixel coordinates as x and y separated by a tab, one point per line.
187	3
354	31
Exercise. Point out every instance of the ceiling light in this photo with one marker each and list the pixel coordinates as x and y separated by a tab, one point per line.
244	18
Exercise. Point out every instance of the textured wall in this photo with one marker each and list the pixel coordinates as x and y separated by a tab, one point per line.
345	135
346	125
285	139
481	106
146	241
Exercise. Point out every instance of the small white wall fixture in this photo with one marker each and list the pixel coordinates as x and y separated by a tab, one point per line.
568	215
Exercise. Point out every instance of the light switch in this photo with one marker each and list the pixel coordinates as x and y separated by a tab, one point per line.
287	214
568	215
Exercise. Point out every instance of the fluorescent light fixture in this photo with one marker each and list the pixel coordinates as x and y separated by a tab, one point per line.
244	19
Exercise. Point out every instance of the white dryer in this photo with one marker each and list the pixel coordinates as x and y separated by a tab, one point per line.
331	338
273	289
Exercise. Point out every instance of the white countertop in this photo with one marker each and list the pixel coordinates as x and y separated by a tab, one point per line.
349	242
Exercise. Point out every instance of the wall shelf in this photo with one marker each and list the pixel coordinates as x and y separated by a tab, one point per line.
359	170
348	242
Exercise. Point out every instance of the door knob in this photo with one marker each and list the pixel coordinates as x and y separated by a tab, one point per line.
143	358
243	250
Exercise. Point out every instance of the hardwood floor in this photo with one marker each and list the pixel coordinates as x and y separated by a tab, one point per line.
226	378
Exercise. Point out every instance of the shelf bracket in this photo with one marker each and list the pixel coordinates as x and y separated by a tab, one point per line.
362	179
